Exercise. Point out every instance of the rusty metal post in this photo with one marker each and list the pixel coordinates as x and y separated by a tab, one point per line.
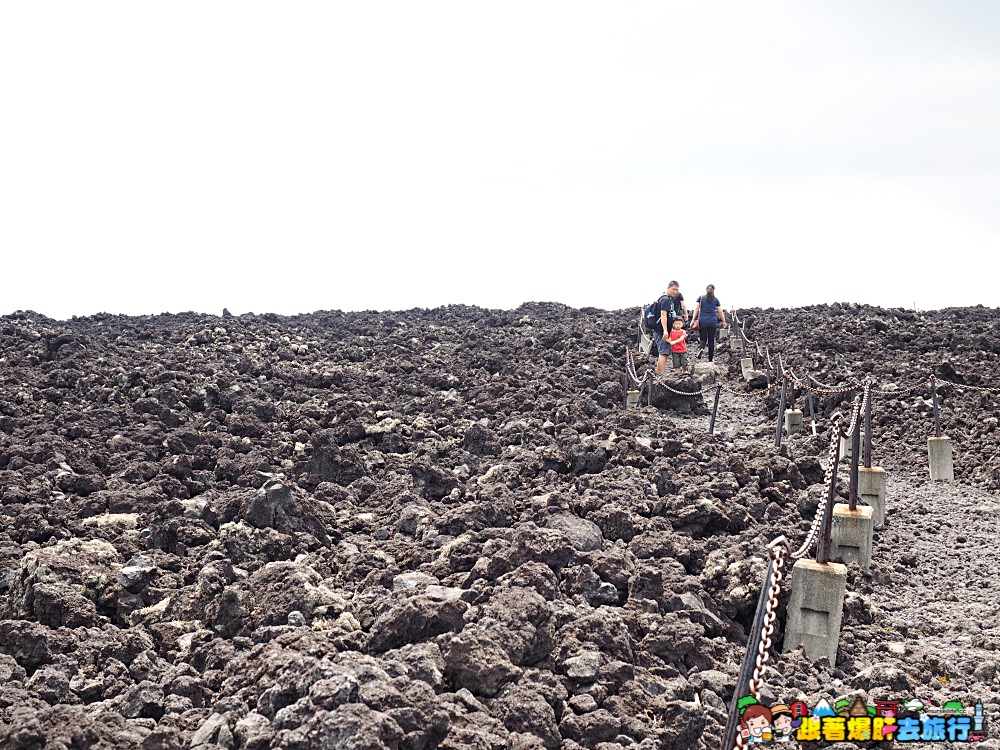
937	413
809	401
868	423
749	661
715	410
823	546
781	412
855	457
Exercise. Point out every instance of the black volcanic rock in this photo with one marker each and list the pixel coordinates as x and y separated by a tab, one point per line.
330	530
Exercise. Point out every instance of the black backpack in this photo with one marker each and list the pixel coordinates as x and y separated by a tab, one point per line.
651	316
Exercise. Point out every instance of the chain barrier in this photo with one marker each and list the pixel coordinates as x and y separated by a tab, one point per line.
900	390
777	554
779	551
630	369
981	388
662	380
663	383
823	389
747	341
796	380
828	474
751	394
856	411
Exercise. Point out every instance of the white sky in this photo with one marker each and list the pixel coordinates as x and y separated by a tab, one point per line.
290	157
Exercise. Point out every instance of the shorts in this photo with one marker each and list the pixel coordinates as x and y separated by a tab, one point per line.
662	346
680	359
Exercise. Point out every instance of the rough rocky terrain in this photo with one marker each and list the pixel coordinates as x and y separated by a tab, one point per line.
440	528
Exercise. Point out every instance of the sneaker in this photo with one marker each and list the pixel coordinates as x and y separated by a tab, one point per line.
700	352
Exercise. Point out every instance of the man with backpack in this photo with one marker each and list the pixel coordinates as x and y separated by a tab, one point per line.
670	307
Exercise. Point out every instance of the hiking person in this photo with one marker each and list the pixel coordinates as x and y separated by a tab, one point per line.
707	314
679	306
678	346
670	307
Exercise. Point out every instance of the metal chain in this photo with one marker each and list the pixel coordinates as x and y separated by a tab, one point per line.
630	369
970	387
730	391
777	550
861	408
779	547
743	333
652	374
827	482
856	408
777	554
752	394
662	379
828	390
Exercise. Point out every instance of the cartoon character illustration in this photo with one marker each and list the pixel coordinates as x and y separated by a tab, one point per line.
756	723
783	723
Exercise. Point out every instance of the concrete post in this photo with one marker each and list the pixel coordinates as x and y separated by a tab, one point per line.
847	447
851	534
793	421
736	342
645	344
816	608
871	487
746	364
939	454
633	398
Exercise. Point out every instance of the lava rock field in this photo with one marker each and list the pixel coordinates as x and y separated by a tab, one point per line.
425	529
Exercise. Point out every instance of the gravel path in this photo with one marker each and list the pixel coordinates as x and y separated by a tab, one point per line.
934	593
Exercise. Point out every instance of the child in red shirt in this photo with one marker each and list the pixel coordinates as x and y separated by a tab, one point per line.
678	346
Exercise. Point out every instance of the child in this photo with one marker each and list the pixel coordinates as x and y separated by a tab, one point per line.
678	346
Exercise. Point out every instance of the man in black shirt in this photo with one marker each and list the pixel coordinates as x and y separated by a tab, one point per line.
671	306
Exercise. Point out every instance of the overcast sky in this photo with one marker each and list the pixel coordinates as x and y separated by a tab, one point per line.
291	157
